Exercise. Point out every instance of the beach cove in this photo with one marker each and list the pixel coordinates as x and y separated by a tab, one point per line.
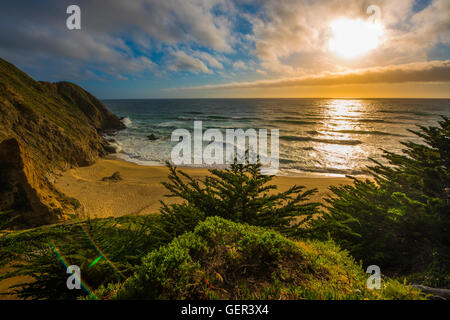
139	189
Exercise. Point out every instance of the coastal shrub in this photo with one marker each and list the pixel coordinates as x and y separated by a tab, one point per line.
43	254
398	219
221	259
29	254
239	193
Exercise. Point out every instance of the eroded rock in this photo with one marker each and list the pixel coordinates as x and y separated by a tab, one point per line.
114	178
22	189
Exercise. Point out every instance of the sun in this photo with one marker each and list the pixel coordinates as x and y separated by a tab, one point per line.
353	38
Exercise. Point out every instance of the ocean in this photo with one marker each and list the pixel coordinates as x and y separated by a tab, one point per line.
331	137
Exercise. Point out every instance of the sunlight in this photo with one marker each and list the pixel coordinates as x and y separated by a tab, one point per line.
340	116
341	111
339	122
352	38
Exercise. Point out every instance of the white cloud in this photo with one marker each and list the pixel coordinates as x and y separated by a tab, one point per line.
169	21
110	33
183	62
288	37
239	65
209	59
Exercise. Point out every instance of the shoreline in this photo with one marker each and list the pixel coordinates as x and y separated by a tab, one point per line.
139	191
281	172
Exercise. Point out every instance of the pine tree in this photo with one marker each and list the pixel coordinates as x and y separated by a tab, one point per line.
400	217
239	193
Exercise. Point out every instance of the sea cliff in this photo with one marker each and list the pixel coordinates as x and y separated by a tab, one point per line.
45	129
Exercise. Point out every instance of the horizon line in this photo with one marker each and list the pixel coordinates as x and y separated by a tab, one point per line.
286	98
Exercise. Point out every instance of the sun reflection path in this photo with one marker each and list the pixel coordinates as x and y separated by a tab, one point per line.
342	115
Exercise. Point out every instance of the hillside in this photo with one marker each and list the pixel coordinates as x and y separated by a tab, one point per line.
224	260
219	259
45	128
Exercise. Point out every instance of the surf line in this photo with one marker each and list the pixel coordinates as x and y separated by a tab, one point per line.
242	146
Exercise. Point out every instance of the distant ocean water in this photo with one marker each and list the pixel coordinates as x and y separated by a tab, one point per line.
317	136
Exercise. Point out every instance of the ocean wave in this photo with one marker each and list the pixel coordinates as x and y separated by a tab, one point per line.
127	122
303	117
214	118
116	145
375	121
328	170
292	121
328	141
193	112
217	117
247	118
128	158
415	113
170	124
187	118
378	133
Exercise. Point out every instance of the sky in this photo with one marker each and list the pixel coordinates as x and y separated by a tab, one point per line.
234	48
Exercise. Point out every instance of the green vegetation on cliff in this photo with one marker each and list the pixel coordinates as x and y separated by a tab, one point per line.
221	259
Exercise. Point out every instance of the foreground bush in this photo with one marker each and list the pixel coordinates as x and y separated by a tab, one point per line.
399	219
241	194
221	259
39	254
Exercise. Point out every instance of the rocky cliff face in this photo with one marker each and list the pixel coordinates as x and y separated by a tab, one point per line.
45	128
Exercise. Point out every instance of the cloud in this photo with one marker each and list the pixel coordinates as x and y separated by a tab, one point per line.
116	36
433	71
209	59
239	65
292	36
183	62
287	38
428	27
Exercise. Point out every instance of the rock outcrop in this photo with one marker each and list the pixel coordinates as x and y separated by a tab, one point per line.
45	129
152	137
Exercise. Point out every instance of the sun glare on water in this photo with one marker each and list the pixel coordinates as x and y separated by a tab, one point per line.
352	38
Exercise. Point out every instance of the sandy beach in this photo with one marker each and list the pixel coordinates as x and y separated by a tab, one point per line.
140	190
